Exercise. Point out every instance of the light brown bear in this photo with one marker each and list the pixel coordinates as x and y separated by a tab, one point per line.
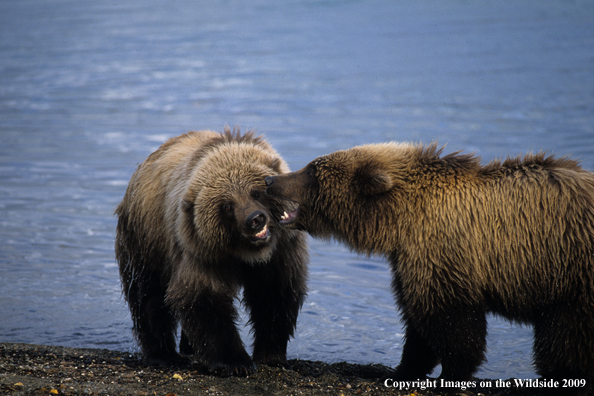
513	238
194	227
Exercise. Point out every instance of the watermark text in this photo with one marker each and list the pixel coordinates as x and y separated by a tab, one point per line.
539	383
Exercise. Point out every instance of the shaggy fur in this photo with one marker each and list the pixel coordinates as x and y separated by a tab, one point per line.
194	227
513	238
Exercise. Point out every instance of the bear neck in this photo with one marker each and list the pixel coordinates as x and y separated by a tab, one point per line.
375	224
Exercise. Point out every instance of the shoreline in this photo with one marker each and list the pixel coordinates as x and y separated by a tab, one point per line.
27	369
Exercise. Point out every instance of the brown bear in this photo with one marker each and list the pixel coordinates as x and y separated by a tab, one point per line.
194	227
513	238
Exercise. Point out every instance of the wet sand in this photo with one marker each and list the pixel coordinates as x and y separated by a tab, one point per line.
50	370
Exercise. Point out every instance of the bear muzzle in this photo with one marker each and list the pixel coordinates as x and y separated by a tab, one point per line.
288	218
277	192
269	180
257	223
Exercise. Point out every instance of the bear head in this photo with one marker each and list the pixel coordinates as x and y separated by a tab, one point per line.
344	193
224	209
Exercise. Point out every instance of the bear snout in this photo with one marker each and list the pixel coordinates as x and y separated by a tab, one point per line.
269	180
256	220
273	189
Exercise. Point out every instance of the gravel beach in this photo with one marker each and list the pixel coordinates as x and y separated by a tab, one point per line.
51	370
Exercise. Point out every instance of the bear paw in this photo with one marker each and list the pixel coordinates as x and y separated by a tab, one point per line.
227	369
275	361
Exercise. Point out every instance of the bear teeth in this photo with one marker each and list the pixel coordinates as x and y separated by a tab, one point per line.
285	216
262	233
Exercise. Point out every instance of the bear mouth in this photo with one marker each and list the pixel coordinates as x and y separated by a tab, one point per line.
261	235
288	218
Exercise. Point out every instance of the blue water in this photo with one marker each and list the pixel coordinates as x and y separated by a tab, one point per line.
89	89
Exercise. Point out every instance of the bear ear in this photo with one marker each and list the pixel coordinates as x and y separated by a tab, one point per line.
276	164
374	180
187	206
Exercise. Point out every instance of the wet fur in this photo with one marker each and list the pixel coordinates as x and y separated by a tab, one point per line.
184	258
515	238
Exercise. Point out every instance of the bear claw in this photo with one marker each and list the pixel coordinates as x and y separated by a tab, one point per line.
227	370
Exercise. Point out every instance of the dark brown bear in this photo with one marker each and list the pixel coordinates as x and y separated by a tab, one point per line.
194	227
513	238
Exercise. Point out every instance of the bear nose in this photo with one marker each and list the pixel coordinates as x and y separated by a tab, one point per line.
269	180
256	220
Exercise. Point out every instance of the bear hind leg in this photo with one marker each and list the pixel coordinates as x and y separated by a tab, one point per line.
154	323
563	347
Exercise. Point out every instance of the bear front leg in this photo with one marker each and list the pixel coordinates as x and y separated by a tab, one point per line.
273	298
209	321
458	336
418	358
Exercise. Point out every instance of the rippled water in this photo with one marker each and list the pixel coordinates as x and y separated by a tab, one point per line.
89	89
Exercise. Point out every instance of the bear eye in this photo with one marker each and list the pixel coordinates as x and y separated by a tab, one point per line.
227	208
311	171
256	194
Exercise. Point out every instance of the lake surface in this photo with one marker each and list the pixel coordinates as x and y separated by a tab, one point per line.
89	89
